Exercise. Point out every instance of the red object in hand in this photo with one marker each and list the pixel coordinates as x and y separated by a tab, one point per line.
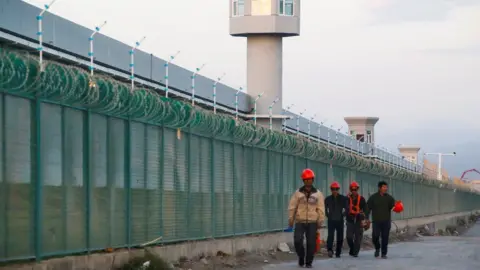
398	208
318	241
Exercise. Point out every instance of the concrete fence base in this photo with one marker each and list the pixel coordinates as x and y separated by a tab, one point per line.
209	248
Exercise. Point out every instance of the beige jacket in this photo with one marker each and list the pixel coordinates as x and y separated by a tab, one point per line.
306	210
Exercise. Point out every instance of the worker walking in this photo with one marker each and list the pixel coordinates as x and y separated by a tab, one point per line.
306	210
335	211
356	219
381	205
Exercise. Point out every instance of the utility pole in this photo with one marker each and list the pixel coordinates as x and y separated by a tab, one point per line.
440	155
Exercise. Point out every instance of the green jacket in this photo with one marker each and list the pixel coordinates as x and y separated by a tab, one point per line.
380	206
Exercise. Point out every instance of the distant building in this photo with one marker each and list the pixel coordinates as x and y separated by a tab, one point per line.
430	170
409	152
362	128
475	184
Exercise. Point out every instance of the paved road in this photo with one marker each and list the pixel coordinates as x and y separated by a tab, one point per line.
435	253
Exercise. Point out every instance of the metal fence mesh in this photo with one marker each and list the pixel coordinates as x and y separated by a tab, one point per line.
85	169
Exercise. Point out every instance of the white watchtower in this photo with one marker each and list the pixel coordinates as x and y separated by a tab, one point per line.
265	23
409	152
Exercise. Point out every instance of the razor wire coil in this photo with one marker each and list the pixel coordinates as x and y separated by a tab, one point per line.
73	86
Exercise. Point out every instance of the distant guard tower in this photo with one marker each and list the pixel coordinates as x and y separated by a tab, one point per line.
362	128
409	152
265	23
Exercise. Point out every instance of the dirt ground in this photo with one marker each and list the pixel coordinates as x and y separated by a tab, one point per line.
258	260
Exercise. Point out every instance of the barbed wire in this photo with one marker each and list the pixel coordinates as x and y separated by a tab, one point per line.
73	86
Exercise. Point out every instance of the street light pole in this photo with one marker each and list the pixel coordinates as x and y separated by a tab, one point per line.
90	53
298	121
270	111
236	103
320	130
194	74
167	64
440	155
285	119
132	61
255	108
215	93
309	124
40	33
336	135
328	134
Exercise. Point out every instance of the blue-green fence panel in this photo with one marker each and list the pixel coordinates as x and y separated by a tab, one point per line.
182	201
18	178
116	163
200	187
3	184
53	187
223	186
276	203
260	191
109	182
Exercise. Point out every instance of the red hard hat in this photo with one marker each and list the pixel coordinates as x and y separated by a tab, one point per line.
398	208
307	174
335	185
354	185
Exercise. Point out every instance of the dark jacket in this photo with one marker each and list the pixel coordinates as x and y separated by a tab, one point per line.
335	207
351	216
381	207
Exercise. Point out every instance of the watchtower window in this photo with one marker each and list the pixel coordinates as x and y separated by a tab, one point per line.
238	7
286	7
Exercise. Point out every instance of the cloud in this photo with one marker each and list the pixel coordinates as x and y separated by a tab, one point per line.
351	26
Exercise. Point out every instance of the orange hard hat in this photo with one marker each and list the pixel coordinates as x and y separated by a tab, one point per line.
308	174
398	208
354	185
335	185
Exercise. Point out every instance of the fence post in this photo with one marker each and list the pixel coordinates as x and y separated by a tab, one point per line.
267	190
128	181
282	189
38	179
189	183
3	185
111	181
145	178
65	192
212	187
252	189
162	177
86	175
234	196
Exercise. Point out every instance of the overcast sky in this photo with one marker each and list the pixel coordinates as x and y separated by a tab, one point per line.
413	63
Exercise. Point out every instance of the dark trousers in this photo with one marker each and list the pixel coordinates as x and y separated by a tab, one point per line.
335	226
381	229
310	231
354	236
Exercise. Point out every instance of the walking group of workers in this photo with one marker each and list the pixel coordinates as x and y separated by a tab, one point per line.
308	209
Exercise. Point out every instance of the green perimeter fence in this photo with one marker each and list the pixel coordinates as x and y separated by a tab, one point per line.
86	164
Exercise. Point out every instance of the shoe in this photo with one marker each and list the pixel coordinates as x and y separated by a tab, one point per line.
377	253
308	265
337	255
384	256
330	254
301	262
